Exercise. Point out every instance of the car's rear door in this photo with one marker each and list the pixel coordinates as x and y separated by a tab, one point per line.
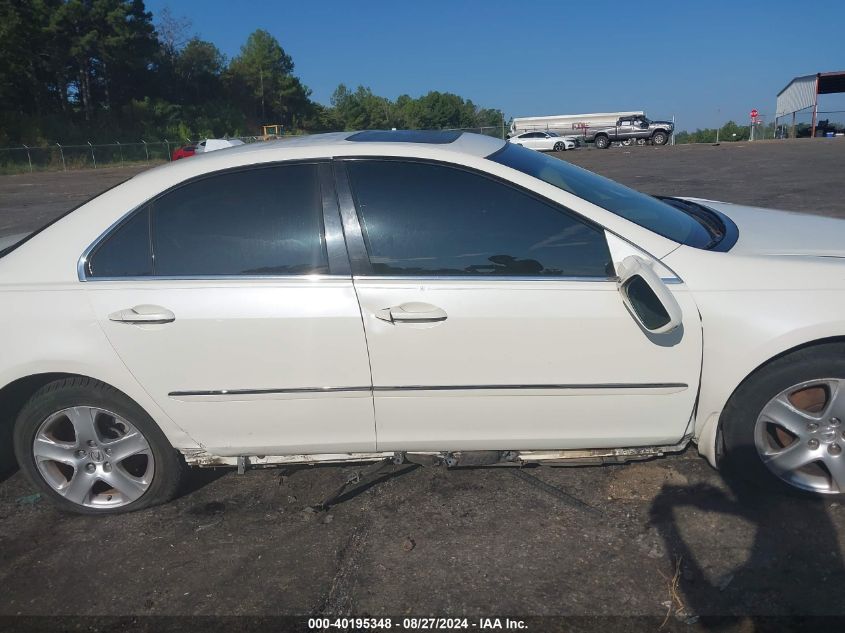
493	319
231	301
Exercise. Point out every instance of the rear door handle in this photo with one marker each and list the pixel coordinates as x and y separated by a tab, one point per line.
412	312
143	314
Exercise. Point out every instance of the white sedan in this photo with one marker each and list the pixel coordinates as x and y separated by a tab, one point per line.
544	141
421	296
214	144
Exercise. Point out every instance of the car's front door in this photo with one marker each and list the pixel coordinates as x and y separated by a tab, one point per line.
493	319
230	300
537	141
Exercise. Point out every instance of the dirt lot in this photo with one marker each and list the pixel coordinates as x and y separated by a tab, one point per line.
617	540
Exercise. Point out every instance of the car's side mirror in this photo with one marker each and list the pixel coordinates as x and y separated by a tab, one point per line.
647	297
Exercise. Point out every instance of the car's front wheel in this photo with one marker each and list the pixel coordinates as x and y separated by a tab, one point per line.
659	138
560	147
92	450
784	425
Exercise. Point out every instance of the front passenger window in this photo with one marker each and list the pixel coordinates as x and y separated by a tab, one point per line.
423	219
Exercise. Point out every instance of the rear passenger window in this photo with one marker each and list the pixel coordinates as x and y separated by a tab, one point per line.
426	219
264	221
126	253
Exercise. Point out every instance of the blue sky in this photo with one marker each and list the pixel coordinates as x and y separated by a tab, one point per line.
702	61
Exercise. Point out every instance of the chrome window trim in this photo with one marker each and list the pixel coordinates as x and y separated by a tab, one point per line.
397	388
303	277
482	278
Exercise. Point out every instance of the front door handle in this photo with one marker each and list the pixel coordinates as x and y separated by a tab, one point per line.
143	314
412	312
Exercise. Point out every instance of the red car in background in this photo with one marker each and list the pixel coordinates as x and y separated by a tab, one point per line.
184	151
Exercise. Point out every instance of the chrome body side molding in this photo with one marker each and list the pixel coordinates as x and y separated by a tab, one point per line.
234	393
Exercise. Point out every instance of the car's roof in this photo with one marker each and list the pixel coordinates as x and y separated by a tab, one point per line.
344	142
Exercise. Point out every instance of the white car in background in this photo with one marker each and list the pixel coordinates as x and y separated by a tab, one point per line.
433	297
214	144
544	141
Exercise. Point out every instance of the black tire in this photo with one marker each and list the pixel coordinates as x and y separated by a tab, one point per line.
741	457
602	142
80	391
560	147
660	138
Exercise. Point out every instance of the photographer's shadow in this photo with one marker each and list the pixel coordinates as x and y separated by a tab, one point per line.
793	567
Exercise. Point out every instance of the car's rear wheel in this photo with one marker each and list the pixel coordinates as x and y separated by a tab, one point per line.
659	138
602	142
784	426
92	450
560	147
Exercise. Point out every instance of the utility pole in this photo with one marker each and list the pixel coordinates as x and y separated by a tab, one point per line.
261	81
718	118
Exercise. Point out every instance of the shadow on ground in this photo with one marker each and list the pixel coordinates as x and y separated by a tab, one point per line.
789	565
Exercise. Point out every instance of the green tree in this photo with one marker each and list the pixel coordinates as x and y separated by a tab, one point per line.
198	69
109	46
261	79
30	77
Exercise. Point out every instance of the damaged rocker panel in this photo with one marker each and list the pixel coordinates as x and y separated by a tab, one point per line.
565	457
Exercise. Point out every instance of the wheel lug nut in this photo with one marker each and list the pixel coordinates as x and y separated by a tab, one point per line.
834	449
80	454
835	421
108	451
812	427
813	444
92	443
107	467
90	468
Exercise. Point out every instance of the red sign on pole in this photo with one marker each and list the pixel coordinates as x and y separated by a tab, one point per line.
754	113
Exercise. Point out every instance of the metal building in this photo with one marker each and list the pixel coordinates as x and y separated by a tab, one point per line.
803	92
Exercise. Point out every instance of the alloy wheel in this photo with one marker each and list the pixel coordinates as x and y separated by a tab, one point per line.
800	437
93	457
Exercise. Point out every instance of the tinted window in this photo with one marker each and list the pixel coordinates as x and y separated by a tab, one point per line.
632	205
126	253
263	221
426	219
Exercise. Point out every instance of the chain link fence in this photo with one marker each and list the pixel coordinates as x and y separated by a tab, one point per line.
57	157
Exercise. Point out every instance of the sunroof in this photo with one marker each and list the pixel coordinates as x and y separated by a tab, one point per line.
437	137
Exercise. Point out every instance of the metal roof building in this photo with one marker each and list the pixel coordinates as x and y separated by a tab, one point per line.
803	92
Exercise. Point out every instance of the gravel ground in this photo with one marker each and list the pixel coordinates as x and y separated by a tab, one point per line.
615	540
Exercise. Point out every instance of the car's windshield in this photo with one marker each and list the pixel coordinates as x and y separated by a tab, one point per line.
648	212
553	134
